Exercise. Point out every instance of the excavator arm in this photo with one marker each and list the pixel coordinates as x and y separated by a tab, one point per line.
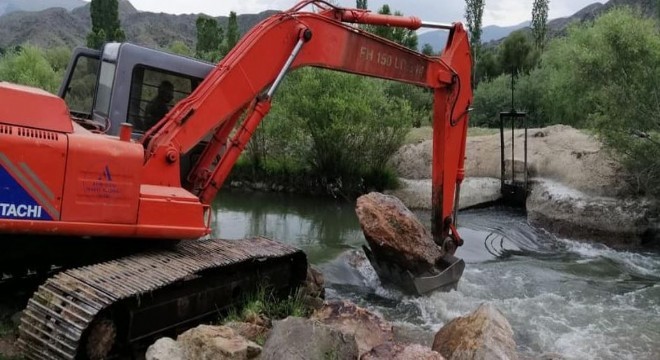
295	39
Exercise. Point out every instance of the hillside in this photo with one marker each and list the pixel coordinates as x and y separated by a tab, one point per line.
9	6
59	27
438	38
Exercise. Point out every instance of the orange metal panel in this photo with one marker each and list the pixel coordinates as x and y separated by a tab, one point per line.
160	232
32	107
32	168
163	208
103	177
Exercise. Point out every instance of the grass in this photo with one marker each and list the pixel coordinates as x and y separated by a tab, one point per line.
417	135
265	303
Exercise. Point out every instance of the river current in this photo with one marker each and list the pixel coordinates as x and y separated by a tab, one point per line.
579	300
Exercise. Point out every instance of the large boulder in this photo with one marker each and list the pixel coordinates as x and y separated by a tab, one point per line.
250	331
368	328
207	342
397	351
395	235
304	339
164	349
482	335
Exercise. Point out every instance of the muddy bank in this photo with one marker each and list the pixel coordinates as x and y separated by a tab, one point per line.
577	186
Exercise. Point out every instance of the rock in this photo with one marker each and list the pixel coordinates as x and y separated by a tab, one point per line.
207	342
483	335
368	328
315	283
409	334
164	349
304	339
396	351
568	212
395	235
252	332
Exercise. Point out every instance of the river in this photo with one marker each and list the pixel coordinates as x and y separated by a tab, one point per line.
582	301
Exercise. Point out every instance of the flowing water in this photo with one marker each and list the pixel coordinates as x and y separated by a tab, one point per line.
561	296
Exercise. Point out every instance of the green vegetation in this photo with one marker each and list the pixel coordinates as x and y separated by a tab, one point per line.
602	75
265	305
540	22
105	23
30	66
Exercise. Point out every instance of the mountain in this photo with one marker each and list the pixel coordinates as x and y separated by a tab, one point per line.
438	38
8	6
59	27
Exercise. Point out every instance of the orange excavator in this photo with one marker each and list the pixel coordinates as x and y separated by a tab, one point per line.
122	205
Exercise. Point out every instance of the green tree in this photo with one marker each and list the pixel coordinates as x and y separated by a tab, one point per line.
540	22
29	67
606	75
517	54
58	58
427	49
180	48
106	26
474	12
210	37
361	4
341	127
233	34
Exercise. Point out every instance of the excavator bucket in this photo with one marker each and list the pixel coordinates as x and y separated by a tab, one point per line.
448	272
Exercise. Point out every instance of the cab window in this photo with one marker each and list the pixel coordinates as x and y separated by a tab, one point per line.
153	93
79	91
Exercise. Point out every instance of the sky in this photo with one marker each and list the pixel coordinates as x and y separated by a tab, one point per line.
497	12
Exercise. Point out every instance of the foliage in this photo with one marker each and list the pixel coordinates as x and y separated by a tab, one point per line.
518	54
210	37
616	62
401	36
265	303
427	50
540	22
105	23
342	128
29	67
474	12
180	48
233	35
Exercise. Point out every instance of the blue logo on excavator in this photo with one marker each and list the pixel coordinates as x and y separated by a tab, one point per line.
16	203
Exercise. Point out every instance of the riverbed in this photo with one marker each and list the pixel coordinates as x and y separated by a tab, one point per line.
583	301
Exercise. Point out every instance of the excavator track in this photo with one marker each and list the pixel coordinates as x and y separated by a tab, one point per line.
89	312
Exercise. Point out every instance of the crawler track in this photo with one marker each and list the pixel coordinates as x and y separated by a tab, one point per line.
91	312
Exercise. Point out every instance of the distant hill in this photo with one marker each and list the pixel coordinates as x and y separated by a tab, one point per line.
60	27
9	6
50	23
438	38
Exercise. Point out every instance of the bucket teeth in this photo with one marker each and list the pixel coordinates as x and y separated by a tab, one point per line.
448	272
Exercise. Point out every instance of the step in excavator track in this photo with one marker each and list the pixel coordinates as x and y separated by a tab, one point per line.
90	311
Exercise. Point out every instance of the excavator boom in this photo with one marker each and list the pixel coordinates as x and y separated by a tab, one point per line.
65	181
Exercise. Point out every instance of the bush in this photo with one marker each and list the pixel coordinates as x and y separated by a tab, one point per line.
339	127
29	66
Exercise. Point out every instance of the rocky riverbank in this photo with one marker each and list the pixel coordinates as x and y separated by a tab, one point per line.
342	330
578	188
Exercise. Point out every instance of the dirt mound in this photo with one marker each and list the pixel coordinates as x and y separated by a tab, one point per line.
559	153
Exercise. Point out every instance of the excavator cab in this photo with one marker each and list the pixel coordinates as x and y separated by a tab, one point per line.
120	84
104	89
